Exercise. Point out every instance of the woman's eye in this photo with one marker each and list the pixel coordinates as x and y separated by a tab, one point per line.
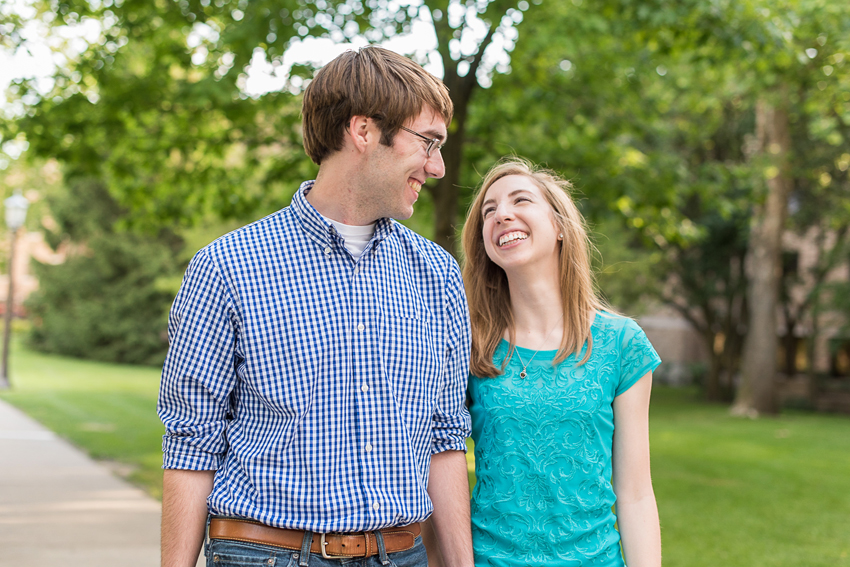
487	212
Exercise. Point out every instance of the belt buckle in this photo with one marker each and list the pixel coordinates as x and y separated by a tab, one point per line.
323	543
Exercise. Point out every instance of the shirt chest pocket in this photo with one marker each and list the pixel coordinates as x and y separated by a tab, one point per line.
411	360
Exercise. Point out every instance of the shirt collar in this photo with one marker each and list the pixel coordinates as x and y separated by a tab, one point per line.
322	231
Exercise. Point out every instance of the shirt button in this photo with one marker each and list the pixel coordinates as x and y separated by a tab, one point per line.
328	251
368	447
364	388
361	326
376	505
356	270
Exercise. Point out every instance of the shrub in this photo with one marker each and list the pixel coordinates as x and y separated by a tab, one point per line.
106	301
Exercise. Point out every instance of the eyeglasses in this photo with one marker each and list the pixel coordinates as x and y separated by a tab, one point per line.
432	142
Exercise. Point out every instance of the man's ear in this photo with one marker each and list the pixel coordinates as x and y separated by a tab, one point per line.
362	131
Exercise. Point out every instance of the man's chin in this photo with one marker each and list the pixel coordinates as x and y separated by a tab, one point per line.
403	216
404	212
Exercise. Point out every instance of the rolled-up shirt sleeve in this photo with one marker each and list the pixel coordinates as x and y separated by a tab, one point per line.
451	422
199	372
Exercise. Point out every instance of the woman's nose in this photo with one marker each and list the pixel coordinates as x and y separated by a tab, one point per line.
504	213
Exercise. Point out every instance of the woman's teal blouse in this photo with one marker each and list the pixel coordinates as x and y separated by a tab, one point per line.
543	494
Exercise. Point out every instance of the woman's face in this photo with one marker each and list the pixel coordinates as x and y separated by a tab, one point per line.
519	225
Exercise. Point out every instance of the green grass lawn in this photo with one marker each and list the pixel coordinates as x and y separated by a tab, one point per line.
109	410
772	492
766	492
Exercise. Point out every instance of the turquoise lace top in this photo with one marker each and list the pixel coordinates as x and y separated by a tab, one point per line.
543	494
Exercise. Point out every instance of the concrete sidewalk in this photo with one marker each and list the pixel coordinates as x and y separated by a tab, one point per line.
59	507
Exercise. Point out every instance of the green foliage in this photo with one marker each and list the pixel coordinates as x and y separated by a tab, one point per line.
626	274
106	301
648	107
160	117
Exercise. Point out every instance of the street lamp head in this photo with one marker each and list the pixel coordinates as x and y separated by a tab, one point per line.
16	210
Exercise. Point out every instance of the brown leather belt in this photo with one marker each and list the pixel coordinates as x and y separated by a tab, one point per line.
330	546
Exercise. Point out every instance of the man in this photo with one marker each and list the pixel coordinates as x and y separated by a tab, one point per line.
313	393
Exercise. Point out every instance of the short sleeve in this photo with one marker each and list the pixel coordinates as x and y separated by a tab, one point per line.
637	356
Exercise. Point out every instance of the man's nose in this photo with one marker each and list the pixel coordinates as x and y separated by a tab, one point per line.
435	166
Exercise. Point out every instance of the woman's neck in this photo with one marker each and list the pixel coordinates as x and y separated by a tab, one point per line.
537	309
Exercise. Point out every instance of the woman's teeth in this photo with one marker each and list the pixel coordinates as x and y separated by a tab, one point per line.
512	237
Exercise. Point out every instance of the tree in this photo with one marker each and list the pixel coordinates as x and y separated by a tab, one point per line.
156	107
651	108
169	136
106	301
789	69
758	370
462	61
649	138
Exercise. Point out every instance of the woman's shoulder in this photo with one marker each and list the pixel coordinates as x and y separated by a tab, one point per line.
615	330
613	321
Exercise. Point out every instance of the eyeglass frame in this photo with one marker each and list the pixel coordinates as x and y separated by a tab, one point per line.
432	142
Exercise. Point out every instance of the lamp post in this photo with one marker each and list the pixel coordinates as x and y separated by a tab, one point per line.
16	214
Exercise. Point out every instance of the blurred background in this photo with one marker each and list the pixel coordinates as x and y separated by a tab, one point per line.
708	142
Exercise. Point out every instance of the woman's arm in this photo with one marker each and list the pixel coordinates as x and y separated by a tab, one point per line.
637	513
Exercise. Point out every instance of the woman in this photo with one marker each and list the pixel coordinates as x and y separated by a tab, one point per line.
559	392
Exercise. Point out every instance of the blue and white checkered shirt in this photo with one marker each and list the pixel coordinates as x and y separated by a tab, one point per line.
316	384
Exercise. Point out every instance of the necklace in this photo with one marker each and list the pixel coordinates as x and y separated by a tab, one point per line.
523	372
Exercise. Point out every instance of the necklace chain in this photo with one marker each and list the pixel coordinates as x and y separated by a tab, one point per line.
523	373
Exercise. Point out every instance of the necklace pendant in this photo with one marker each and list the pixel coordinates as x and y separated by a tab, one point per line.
522	373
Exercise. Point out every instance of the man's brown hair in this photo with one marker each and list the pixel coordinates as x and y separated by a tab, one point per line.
372	82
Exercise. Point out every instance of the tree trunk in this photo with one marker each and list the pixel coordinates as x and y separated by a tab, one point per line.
756	391
445	191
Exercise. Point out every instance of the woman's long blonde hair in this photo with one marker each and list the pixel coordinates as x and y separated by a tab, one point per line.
487	284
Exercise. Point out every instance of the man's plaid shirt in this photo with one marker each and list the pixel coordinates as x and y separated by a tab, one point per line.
318	385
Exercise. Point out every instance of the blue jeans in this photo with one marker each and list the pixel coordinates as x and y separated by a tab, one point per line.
225	553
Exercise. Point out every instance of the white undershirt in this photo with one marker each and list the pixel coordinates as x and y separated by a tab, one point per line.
356	237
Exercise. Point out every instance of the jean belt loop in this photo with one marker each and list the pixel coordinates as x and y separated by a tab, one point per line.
304	560
382	548
207	536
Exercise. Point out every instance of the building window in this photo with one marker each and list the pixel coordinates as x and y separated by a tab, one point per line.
793	356
839	357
